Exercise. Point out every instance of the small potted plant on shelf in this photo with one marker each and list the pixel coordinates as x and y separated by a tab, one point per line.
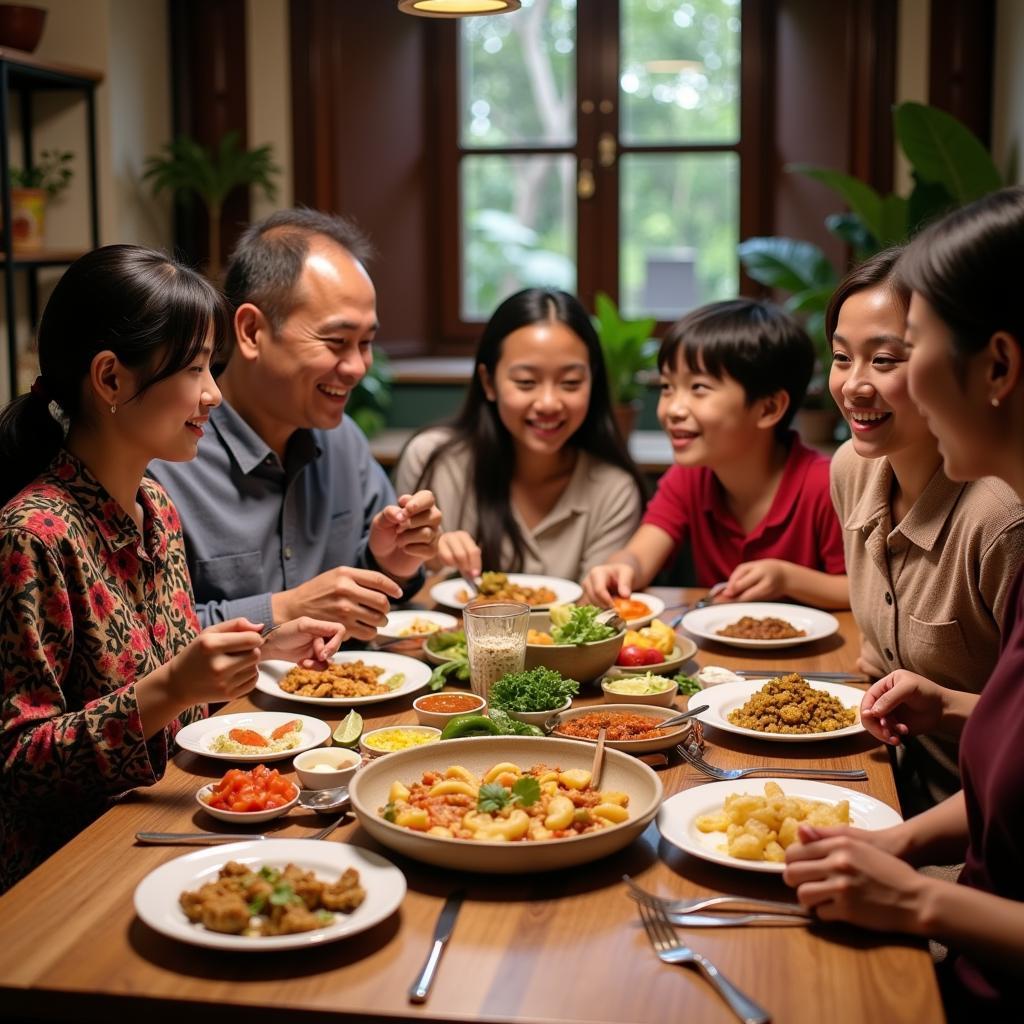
628	350
31	189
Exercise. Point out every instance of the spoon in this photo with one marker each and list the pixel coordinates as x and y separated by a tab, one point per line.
611	618
324	801
553	721
595	768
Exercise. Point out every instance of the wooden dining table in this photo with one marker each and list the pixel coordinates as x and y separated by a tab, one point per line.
564	946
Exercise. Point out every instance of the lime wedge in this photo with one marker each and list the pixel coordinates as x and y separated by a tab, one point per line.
348	732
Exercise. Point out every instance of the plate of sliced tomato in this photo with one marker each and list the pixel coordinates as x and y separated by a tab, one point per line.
249	797
253	736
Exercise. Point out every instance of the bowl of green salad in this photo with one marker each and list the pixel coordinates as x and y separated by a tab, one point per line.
568	639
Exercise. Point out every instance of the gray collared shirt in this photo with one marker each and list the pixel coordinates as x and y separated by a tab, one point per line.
254	527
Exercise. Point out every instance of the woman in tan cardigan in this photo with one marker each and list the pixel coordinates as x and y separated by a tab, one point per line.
930	560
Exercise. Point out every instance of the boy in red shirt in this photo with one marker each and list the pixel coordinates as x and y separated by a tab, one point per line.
748	497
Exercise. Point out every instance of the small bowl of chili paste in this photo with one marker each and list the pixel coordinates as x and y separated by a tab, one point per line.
438	709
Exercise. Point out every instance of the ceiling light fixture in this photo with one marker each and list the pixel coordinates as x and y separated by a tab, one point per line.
457	8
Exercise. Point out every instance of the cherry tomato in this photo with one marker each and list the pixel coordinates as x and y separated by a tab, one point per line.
632	656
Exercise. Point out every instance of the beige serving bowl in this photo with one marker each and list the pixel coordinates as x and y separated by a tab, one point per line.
369	791
581	662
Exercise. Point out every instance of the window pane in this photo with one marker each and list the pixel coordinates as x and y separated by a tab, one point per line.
518	82
679	80
679	231
518	221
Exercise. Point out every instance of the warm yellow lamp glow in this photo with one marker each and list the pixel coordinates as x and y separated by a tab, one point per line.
457	8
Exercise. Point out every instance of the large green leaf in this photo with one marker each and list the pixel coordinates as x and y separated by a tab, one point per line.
627	347
945	152
849	228
859	196
786	264
893	223
926	203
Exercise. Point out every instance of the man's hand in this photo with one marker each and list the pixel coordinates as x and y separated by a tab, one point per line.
356	598
404	536
764	580
308	642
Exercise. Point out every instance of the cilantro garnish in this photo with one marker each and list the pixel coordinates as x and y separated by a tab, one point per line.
494	797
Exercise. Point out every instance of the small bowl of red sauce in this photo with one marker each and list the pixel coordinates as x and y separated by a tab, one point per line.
438	709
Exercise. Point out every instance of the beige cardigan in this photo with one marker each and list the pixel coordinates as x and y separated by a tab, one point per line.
596	514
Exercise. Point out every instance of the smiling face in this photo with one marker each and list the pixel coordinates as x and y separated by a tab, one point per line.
308	368
868	378
541	386
167	420
708	419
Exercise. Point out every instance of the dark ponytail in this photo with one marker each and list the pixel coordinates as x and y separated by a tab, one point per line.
153	313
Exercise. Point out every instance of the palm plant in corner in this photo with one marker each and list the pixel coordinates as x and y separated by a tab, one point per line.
191	170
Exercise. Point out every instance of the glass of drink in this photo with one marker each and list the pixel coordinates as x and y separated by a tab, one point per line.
495	641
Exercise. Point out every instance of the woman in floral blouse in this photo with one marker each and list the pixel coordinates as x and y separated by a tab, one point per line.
101	656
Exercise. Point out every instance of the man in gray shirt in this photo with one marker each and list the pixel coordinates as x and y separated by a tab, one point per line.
284	510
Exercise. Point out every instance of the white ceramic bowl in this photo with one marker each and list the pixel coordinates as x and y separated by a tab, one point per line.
344	764
369	791
243	817
538	717
662	698
366	741
439	719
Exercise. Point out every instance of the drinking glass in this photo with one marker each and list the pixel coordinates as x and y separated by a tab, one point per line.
495	641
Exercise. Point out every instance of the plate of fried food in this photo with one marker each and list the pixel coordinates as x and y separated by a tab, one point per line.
762	624
786	709
352	678
253	736
270	894
539	592
748	824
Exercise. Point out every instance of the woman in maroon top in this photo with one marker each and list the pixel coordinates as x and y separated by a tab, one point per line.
965	330
101	659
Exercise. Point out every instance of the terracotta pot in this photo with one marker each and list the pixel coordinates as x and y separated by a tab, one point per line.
28	218
21	26
817	426
626	415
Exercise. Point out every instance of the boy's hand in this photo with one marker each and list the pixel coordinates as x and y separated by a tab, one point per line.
763	580
604	582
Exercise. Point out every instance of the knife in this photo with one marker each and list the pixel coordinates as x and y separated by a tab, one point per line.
807	673
193	838
442	933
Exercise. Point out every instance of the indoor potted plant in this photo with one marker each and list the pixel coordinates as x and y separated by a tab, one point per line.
31	189
188	169
628	350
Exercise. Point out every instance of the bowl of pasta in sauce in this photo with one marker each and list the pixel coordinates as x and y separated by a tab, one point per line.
504	804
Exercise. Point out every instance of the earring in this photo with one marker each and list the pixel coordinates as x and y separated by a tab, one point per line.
113	409
995	403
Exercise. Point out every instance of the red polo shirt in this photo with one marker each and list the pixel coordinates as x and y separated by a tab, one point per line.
801	526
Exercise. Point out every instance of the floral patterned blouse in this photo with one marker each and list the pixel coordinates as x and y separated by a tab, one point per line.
87	607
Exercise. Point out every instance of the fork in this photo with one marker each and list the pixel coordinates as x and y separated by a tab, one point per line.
704	902
213	838
730	774
671	951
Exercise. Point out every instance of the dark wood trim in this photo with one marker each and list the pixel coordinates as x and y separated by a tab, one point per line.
960	61
209	99
758	169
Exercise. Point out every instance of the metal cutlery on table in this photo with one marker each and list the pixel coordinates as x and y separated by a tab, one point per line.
671	950
212	838
707	599
442	933
694	757
675	907
825	677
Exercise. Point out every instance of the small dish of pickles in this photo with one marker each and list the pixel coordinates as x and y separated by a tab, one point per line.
640	689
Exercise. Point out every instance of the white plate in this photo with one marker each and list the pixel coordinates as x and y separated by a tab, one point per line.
655	605
678	815
417	675
243	817
156	896
705	622
399	620
684	649
726	697
565	590
198	736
